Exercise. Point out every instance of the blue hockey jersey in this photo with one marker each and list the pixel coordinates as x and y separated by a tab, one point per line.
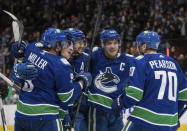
109	79
79	63
54	87
157	84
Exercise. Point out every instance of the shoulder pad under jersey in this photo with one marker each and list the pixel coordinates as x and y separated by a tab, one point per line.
64	61
95	49
85	53
139	57
39	44
129	55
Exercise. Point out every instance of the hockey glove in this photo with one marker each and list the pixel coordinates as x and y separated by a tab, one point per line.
3	91
25	71
86	77
117	105
15	51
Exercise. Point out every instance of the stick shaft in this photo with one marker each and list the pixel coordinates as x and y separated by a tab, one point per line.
3	115
99	3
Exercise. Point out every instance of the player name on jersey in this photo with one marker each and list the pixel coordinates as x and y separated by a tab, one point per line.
39	62
162	64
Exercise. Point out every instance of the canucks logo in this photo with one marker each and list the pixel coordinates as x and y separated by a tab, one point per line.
107	81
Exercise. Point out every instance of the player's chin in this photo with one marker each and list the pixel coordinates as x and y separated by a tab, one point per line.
113	53
80	51
68	55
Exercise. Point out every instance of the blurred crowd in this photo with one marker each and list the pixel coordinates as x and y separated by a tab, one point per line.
128	17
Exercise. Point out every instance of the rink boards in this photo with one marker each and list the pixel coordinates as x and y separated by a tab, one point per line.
10	111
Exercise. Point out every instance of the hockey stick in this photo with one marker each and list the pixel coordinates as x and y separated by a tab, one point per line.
3	115
183	111
96	28
1	103
18	33
18	29
10	82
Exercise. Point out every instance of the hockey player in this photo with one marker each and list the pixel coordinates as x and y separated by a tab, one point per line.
157	86
78	61
110	72
78	58
40	99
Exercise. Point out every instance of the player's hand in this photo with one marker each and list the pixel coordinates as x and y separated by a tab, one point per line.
3	91
117	105
25	71
86	77
18	53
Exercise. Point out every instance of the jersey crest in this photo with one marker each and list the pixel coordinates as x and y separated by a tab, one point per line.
107	81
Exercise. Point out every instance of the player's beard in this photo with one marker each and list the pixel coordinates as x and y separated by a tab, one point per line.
77	52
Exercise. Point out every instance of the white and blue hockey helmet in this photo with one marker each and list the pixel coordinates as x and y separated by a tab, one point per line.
109	34
150	38
53	35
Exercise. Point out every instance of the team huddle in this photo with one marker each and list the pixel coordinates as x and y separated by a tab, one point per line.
53	76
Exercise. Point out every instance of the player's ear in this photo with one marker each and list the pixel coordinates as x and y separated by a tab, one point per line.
58	47
144	47
102	45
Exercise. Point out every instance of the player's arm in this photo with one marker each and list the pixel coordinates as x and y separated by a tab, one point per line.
69	89
134	92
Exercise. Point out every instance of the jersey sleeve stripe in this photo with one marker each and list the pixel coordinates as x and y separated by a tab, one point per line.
64	97
62	113
100	99
183	95
134	93
155	118
183	90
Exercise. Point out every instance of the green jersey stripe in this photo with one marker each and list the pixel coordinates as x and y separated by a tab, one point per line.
36	109
100	99
62	113
134	93
155	118
64	97
183	95
127	126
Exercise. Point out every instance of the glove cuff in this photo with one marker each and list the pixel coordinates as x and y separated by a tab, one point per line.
15	68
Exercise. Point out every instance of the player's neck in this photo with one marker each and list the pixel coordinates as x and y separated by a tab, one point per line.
52	52
150	52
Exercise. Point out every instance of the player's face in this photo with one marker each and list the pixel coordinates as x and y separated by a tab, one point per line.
67	52
79	46
111	48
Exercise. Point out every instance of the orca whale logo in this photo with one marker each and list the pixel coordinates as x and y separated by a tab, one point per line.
107	81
